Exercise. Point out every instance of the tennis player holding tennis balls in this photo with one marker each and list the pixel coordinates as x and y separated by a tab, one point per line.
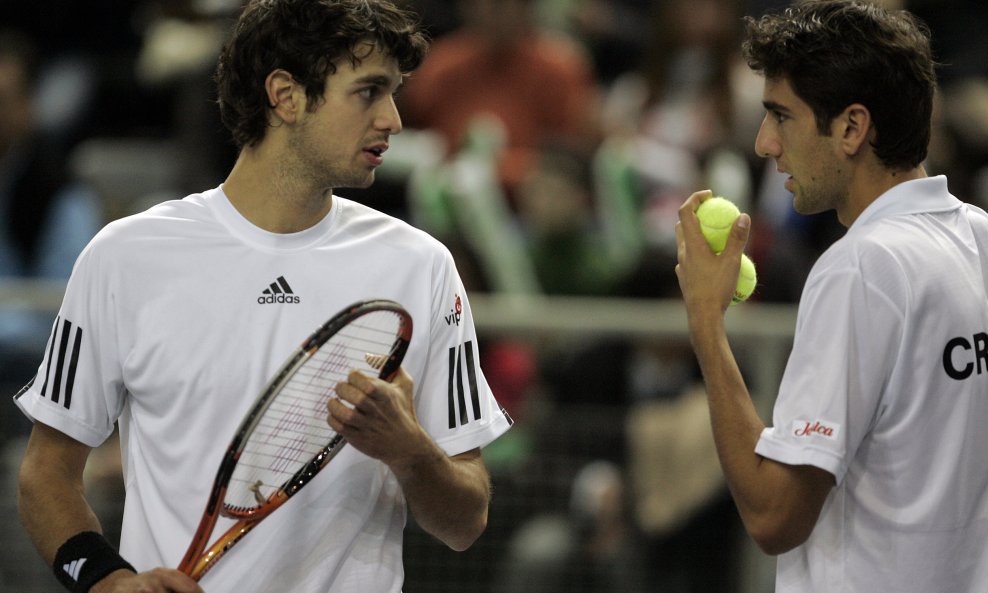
873	475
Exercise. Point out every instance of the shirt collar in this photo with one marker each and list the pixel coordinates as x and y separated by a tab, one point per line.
928	194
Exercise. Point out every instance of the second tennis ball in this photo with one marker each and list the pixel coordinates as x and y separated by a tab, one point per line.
747	279
717	216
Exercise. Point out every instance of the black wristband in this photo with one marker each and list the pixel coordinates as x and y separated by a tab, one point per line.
84	559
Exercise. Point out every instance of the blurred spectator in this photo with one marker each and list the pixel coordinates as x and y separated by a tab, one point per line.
958	41
690	91
438	17
962	126
679	499
88	49
648	514
62	27
462	202
616	33
501	63
46	218
587	547
568	233
683	120
181	41
580	244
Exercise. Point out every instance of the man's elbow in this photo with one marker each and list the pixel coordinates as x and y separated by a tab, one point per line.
774	546
787	511
461	539
775	536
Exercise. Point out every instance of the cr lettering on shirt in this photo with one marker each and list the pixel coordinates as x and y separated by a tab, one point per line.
969	351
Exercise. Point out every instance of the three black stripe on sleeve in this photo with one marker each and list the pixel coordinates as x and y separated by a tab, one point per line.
455	386
62	361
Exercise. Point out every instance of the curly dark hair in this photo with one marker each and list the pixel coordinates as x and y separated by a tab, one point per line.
838	52
306	38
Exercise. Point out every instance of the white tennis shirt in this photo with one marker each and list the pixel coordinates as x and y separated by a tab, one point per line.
174	320
887	389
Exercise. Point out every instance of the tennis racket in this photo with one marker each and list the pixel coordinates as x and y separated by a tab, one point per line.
285	439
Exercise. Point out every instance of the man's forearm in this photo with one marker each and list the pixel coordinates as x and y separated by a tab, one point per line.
778	503
735	423
51	496
448	496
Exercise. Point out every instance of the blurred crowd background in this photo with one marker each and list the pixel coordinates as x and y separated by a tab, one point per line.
549	144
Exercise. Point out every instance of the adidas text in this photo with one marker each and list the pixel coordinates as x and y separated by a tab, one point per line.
278	298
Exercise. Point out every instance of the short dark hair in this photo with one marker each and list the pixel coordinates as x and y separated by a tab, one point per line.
838	52
306	38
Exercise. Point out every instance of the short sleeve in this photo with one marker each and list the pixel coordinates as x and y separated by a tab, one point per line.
454	402
78	387
832	389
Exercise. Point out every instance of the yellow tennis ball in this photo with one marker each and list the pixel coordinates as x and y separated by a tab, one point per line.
747	279
717	216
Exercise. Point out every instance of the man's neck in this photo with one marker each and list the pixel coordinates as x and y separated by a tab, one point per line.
263	192
870	185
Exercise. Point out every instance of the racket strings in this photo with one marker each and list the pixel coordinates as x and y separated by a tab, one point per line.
294	427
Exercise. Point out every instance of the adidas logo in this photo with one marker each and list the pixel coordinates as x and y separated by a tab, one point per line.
74	568
278	292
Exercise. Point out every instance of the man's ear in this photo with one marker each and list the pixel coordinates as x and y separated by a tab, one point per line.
286	97
854	129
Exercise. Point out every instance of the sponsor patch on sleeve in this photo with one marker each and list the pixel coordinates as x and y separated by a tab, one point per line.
816	429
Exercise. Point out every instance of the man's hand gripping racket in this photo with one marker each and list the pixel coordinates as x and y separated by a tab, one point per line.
285	439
